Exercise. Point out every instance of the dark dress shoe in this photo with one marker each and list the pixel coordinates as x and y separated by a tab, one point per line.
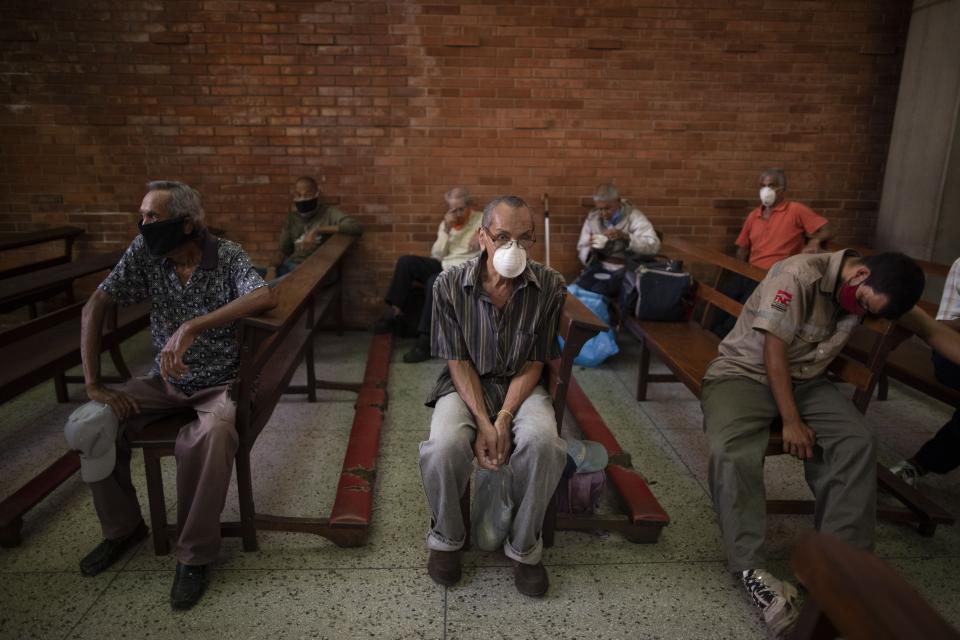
530	579
417	354
109	551
189	583
444	567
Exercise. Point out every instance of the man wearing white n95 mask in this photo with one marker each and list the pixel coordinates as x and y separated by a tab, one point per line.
495	322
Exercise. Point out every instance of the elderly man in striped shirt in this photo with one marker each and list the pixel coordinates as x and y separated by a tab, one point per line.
495	322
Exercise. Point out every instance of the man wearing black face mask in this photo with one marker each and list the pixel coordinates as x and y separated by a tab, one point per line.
199	286
308	225
773	363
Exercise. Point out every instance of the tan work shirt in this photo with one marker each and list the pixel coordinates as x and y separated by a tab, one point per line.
797	303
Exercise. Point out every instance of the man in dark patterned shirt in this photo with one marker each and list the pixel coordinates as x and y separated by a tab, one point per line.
495	322
199	286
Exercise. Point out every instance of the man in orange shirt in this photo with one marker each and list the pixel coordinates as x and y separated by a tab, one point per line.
777	229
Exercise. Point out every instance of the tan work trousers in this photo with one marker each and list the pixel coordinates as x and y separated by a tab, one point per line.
204	450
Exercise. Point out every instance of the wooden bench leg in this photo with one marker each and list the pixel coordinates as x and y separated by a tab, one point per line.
60	386
550	521
10	533
311	372
158	507
643	372
465	512
248	523
883	387
117	357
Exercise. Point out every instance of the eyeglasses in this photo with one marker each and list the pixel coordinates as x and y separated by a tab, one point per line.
503	239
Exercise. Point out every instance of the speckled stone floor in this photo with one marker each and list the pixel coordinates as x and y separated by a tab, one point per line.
299	586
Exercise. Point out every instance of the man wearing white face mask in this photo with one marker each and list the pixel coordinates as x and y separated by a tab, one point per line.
777	229
495	322
780	228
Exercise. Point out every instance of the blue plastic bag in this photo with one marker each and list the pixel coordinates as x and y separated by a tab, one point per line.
597	349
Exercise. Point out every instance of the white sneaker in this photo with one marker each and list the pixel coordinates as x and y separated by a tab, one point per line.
777	600
907	472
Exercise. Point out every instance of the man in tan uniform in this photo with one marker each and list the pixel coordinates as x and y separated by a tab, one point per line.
773	364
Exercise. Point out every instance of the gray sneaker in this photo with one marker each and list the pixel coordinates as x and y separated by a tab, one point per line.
777	600
906	471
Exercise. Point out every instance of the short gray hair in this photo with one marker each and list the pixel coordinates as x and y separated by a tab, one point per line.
777	174
457	193
184	200
606	192
514	202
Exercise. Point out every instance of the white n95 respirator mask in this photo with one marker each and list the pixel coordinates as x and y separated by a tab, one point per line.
510	260
767	196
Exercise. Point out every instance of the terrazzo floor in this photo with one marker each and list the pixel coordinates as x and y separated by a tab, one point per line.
300	586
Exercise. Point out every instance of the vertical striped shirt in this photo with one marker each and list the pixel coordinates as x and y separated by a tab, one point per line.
950	302
468	326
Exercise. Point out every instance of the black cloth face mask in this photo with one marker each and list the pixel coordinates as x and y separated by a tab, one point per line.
163	237
306	206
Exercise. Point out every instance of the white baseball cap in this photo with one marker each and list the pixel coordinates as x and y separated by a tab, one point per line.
589	456
92	432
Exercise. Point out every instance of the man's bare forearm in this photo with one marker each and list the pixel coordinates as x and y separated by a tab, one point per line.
778	377
467	383
822	235
91	328
251	304
939	335
743	253
522	385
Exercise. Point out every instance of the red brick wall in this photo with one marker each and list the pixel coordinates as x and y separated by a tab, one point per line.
678	102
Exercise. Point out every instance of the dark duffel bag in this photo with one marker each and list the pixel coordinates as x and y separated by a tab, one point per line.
656	291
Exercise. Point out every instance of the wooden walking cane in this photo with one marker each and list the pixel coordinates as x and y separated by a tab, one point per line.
546	226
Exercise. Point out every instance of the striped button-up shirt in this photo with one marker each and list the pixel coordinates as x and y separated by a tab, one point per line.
468	326
950	302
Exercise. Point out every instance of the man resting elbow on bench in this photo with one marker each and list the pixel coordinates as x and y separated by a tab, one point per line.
773	364
200	286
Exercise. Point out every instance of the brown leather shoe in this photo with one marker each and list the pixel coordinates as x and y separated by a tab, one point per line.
444	567
530	579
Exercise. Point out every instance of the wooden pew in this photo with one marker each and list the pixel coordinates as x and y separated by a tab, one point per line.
686	348
10	241
272	347
856	595
30	288
33	353
645	518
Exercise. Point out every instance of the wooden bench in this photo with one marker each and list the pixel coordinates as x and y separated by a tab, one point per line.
856	595
272	347
10	241
686	348
30	288
42	349
644	517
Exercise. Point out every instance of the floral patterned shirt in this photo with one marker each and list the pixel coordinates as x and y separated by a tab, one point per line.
224	274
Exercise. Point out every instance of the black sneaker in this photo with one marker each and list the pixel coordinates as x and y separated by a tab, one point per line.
420	352
189	583
109	551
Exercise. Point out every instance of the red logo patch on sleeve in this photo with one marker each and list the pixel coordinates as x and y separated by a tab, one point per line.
781	300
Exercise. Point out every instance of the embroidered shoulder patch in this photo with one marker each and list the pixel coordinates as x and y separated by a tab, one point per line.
781	300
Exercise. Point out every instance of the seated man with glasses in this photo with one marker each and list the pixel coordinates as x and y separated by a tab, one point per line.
456	242
495	322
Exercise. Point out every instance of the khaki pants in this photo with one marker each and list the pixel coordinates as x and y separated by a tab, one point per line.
205	450
737	413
